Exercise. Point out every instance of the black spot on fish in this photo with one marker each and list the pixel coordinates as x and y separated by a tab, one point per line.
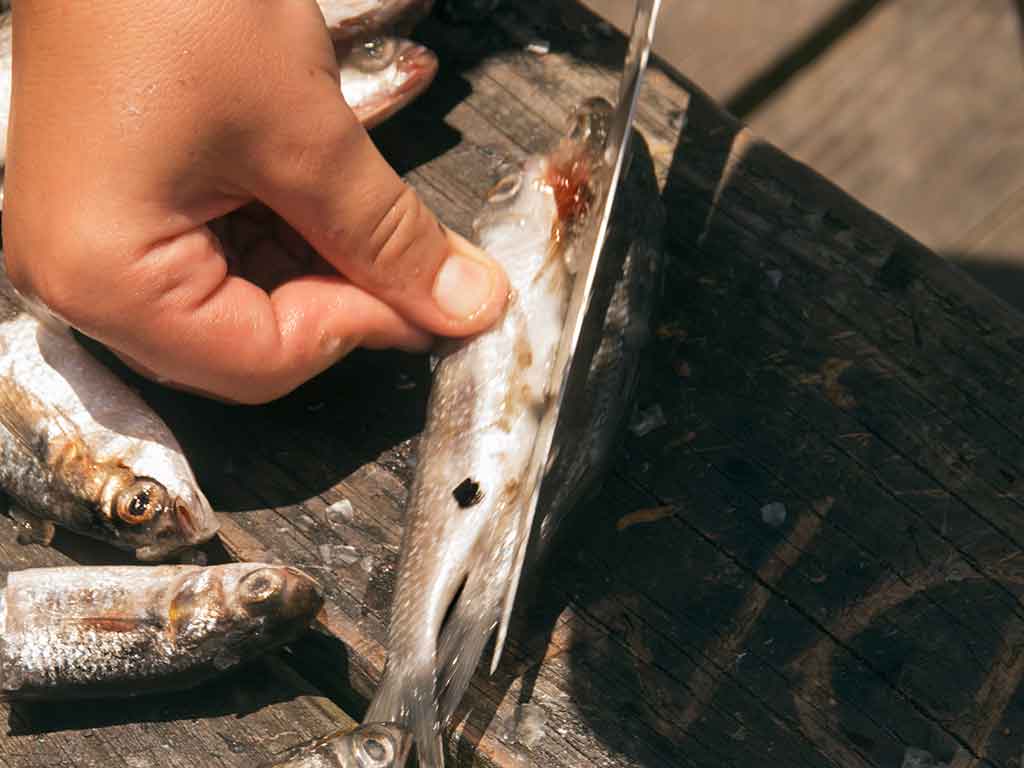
468	493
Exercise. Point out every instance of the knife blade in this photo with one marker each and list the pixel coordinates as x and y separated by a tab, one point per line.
615	156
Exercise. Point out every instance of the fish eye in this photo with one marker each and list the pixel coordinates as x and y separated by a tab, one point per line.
375	751
374	55
141	502
259	587
505	189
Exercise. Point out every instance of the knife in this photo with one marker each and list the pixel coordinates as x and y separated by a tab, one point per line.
615	157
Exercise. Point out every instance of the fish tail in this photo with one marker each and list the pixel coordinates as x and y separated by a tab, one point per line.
406	696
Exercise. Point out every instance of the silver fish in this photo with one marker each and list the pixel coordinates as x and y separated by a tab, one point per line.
353	20
382	75
464	522
88	632
81	450
373	745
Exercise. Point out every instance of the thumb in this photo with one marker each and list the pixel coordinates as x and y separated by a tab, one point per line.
322	173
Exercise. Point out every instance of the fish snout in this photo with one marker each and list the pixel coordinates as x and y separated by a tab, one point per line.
187	521
285	593
419	65
193	519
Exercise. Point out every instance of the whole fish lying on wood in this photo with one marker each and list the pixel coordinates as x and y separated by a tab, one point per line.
373	745
464	523
81	450
87	632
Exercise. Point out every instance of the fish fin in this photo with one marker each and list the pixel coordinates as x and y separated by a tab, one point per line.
32	529
22	412
406	697
463	639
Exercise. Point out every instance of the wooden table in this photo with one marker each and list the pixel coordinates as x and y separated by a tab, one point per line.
815	562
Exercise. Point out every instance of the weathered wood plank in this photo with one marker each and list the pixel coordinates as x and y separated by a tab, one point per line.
917	113
810	354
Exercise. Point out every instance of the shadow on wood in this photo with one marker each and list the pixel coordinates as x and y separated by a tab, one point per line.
1003	274
240	692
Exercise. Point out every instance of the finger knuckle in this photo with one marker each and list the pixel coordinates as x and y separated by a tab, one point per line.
396	249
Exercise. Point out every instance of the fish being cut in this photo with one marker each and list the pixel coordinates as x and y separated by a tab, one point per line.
111	631
382	75
464	523
373	745
600	393
81	450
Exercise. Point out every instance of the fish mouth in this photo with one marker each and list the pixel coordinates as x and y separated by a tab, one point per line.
191	522
305	596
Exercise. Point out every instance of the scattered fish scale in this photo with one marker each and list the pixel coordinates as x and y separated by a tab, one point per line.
112	631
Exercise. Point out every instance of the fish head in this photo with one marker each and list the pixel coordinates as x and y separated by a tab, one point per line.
571	178
382	75
238	610
371	745
282	593
157	509
376	745
578	172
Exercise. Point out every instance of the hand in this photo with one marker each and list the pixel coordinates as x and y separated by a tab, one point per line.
135	125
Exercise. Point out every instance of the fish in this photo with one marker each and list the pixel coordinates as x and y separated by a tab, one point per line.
602	387
122	631
81	450
382	75
351	21
464	520
371	745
